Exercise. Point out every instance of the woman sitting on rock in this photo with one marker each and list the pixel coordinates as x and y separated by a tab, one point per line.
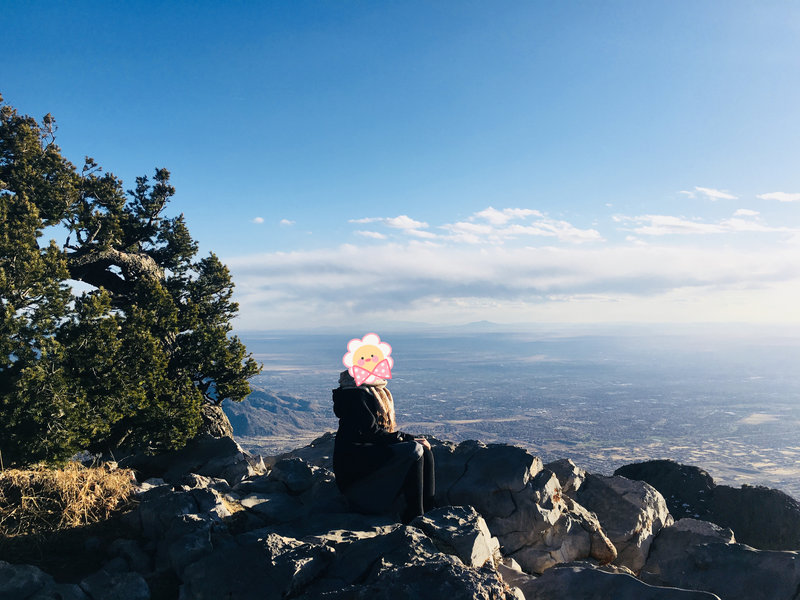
374	462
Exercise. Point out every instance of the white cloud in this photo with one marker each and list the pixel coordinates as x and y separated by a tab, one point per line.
668	225
657	225
713	194
497	230
491	226
780	197
501	217
745	212
404	223
286	222
257	220
371	234
416	281
399	222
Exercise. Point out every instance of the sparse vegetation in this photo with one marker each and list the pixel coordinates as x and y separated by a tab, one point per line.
41	501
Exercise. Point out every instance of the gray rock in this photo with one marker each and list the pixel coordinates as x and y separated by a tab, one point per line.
540	533
686	489
760	517
701	555
295	473
192	481
360	559
733	571
460	531
214	422
433	580
148	485
136	558
260	484
587	583
631	513
523	504
484	476
764	518
667	554
318	453
512	574
274	508
213	457
160	506
116	586
570	476
186	541
18	582
60	591
255	569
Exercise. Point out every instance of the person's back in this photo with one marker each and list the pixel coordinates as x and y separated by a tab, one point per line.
372	461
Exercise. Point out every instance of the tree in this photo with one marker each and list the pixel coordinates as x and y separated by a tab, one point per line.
129	363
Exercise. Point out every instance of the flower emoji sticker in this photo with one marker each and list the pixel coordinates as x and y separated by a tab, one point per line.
367	359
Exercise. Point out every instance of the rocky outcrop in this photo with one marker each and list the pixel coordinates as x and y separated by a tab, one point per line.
587	583
506	527
701	555
215	422
632	513
205	455
522	503
760	517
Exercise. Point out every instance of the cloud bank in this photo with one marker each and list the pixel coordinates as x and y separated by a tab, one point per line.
489	266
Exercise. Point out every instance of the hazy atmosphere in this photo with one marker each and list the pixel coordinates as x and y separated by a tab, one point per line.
358	164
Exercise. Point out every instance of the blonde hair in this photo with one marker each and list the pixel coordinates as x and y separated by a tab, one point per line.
385	415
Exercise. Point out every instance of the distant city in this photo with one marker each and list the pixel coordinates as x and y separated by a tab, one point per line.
724	399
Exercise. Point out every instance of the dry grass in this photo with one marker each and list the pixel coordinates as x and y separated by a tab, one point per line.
42	501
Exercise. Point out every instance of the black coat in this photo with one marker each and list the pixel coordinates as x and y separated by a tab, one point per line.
362	446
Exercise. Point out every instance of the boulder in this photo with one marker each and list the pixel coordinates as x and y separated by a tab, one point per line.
295	473
760	517
579	580
687	490
18	582
186	541
131	551
522	504
263	568
483	476
631	512
205	455
667	551
732	571
460	531
116	586
273	508
60	591
430	580
159	507
215	422
318	453
570	476
512	574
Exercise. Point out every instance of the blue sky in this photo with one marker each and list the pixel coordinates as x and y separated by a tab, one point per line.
364	163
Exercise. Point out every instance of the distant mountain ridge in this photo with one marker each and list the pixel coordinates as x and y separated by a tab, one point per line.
265	413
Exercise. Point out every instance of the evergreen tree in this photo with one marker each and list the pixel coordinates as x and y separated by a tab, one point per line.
128	364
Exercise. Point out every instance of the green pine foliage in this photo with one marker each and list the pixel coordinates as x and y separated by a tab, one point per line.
128	364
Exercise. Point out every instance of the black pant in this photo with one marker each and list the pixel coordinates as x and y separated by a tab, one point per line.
419	486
